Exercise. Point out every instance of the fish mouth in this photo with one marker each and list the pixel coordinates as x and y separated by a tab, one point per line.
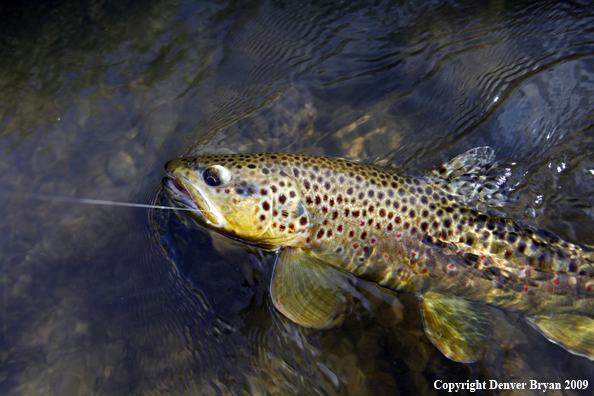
179	194
197	204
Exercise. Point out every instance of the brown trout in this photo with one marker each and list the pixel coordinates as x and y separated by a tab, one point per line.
328	217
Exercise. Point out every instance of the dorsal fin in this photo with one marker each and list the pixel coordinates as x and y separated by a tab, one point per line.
474	175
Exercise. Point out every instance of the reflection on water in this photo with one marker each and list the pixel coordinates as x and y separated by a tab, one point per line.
96	96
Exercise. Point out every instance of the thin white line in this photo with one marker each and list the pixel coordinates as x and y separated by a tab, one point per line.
57	198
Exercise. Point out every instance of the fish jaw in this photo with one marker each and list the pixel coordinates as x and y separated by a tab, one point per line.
188	194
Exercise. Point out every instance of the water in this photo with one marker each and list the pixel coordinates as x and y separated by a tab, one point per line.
96	97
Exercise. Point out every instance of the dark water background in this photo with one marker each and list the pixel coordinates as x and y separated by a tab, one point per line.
96	96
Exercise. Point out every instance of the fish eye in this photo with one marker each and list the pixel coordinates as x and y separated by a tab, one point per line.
215	175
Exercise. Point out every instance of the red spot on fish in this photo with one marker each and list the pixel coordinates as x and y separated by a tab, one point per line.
385	256
413	254
482	259
460	251
399	235
555	281
362	223
373	240
525	288
452	266
355	246
521	268
425	271
464	284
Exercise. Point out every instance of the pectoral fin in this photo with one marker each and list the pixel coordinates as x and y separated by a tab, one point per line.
307	290
457	327
573	332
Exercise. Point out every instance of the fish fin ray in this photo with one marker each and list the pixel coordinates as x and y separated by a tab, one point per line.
457	327
474	175
572	331
307	290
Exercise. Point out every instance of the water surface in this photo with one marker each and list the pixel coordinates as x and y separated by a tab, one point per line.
96	96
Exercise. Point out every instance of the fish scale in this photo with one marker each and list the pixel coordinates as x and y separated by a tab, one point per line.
411	234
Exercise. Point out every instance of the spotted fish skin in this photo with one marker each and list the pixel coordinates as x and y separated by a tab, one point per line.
405	233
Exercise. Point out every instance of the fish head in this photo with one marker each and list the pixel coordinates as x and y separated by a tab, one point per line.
247	197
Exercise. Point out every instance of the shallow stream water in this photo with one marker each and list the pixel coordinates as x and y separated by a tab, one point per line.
96	96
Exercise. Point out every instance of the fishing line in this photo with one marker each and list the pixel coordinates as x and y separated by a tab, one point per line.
57	198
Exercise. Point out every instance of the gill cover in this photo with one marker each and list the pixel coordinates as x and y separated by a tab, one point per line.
247	197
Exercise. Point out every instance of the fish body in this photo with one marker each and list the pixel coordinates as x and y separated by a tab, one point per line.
422	235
